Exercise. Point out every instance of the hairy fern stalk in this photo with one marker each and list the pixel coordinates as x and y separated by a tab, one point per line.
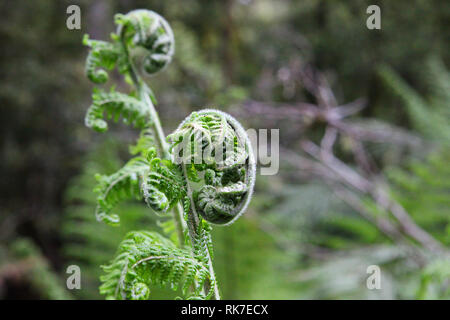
201	174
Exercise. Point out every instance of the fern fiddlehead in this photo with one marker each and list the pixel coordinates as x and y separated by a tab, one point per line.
214	145
148	38
204	170
103	56
215	153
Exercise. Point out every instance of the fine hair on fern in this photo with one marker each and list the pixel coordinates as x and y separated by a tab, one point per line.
201	174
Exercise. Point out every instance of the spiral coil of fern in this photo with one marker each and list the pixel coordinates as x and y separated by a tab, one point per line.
143	38
148	38
213	145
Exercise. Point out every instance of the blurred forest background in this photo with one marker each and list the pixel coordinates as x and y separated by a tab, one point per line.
364	144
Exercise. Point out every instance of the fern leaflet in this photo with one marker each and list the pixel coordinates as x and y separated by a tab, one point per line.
147	258
116	104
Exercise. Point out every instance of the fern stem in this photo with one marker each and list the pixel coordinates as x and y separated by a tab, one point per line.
193	223
144	94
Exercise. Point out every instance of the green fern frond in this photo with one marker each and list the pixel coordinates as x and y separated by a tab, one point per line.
211	141
160	182
163	185
208	137
148	37
212	206
203	248
154	198
121	185
102	55
221	198
116	104
192	172
147	259
213	145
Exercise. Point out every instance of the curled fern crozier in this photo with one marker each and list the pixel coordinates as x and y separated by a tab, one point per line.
219	162
148	38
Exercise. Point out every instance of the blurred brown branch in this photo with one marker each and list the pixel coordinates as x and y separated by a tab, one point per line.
353	183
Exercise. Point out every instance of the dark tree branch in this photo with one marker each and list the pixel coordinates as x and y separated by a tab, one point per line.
348	183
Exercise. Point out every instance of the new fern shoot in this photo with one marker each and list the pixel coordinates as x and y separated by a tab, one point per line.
201	174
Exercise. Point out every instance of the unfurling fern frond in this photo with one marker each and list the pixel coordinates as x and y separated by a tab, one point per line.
212	144
209	137
142	36
209	168
102	55
154	198
163	185
121	185
219	204
116	104
148	38
147	259
160	182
